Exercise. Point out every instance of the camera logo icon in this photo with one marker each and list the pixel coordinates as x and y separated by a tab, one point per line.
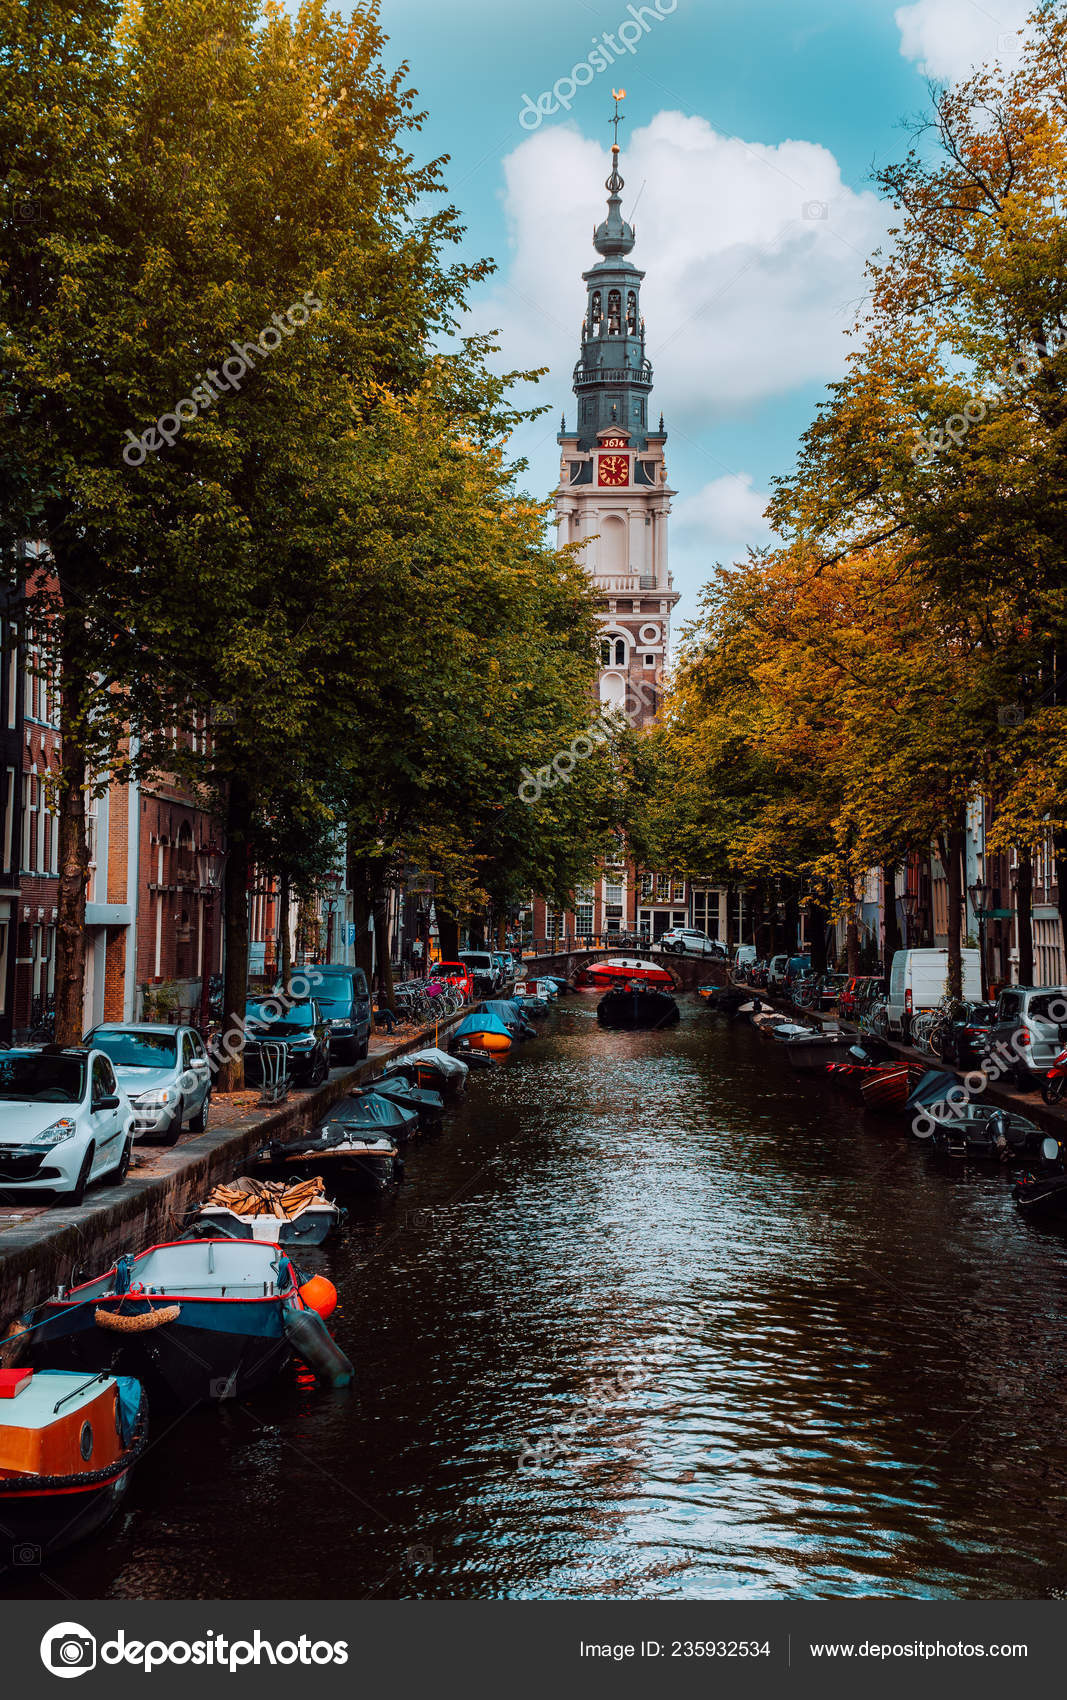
68	1650
816	210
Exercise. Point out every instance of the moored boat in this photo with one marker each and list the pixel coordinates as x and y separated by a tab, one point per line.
436	1071
889	1086
1042	1194
276	1212
398	1085
811	1051
637	1006
67	1447
980	1132
624	968
481	1038
509	1011
356	1149
194	1320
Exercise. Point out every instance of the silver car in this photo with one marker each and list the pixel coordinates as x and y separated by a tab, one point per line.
164	1071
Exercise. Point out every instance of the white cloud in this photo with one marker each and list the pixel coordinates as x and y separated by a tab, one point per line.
721	521
948	38
754	254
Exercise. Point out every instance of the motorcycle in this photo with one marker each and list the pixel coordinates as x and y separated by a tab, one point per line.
1054	1085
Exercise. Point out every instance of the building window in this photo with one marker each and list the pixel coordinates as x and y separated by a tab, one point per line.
650	660
605	653
583	920
620	653
663	888
646	885
679	891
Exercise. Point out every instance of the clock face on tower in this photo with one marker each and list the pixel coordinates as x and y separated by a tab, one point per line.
613	469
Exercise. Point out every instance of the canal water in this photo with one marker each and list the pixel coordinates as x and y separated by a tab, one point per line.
651	1319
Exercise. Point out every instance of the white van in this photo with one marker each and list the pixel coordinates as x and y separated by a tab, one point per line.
918	980
776	971
744	956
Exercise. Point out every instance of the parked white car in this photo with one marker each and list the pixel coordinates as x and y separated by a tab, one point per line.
64	1122
918	980
688	941
164	1071
777	969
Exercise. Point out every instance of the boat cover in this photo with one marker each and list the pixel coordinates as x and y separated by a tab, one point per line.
933	1088
481	1024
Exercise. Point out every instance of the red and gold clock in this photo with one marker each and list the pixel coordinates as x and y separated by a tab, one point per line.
613	469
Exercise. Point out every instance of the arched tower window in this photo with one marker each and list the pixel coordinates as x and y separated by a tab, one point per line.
631	314
595	311
614	312
620	653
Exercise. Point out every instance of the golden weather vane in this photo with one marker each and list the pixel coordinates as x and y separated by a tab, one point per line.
619	118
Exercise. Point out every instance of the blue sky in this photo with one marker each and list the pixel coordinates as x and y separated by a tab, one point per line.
752	134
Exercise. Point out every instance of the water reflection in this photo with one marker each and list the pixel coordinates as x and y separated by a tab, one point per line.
762	1348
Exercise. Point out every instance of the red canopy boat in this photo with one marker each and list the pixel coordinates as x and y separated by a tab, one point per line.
622	969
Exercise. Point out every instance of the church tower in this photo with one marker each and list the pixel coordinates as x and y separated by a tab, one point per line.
613	494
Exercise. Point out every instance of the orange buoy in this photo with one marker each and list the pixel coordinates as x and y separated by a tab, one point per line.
320	1295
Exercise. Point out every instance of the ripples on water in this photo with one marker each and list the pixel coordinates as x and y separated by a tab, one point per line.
789	1358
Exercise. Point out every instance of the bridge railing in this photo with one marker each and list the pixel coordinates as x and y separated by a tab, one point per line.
567	943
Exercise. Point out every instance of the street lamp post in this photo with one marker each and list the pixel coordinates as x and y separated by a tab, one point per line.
980	895
210	863
908	903
332	882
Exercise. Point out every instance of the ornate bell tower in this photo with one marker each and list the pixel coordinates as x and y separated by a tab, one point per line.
613	494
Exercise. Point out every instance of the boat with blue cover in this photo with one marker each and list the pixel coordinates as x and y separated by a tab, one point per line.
194	1320
357	1146
481	1038
509	1011
398	1085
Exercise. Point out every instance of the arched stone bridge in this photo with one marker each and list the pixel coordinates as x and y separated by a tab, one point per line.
687	972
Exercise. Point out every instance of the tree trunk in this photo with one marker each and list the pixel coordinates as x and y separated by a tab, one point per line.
852	935
235	922
383	950
817	931
952	854
791	941
362	909
448	934
891	942
1024	920
285	954
477	932
73	849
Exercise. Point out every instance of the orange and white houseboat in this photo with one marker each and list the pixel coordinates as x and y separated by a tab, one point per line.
67	1445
